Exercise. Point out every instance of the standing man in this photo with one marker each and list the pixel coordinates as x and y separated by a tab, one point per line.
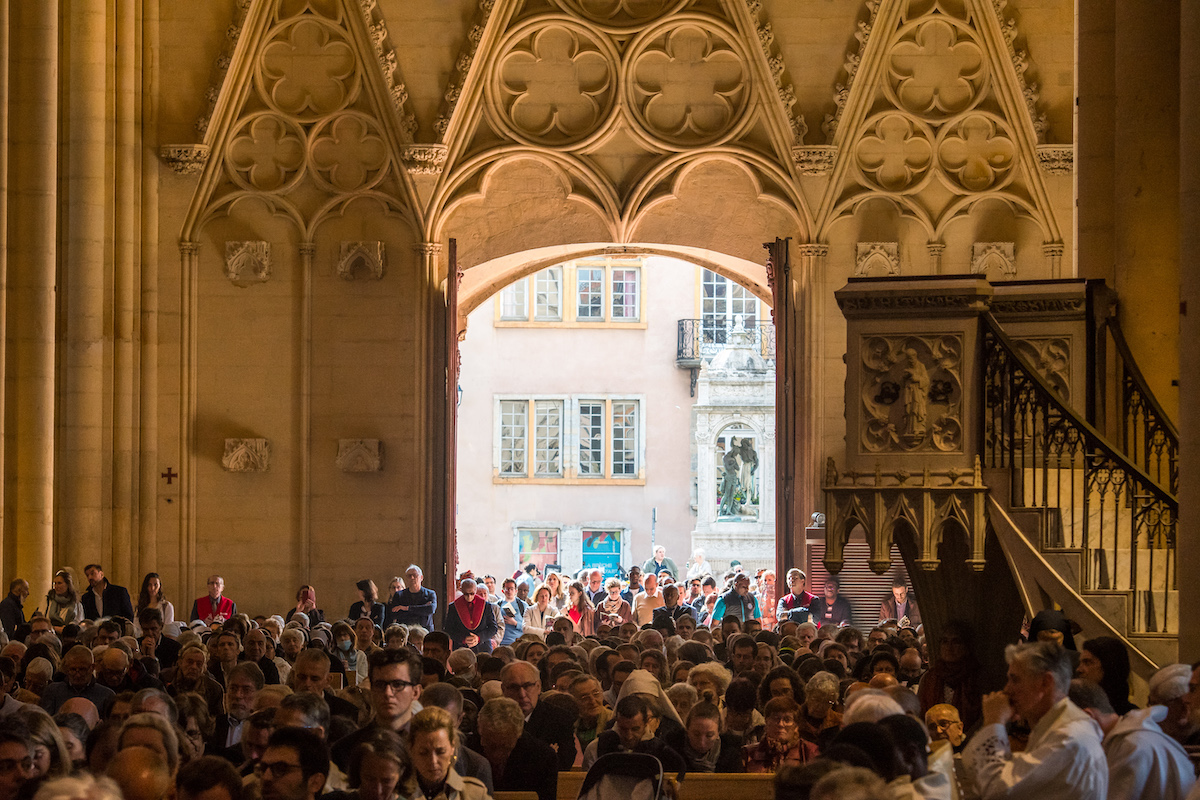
659	562
471	621
213	607
530	577
512	612
12	608
595	588
830	609
900	606
1063	758
415	605
104	599
635	585
794	605
737	602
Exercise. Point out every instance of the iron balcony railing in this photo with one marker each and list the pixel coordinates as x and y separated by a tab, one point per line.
1094	498
701	339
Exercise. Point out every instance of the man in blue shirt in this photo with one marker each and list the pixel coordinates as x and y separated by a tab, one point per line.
414	605
512	612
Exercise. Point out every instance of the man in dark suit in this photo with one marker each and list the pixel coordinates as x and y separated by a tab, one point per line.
104	599
166	649
521	682
12	612
519	761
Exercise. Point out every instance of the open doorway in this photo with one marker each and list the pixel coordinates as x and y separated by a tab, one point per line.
612	402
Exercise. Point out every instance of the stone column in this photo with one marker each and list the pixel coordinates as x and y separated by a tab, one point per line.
1189	331
810	326
149	471
432	484
308	252
1146	208
1095	120
85	530
5	518
32	252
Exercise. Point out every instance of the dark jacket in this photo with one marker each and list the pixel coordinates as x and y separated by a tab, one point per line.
457	629
116	602
375	613
167	652
672	762
531	767
422	605
555	727
12	614
680	610
839	613
729	759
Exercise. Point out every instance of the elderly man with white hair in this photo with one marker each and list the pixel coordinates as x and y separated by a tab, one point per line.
1167	688
470	620
1063	759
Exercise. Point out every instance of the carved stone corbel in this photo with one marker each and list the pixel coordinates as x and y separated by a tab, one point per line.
885	255
367	256
1000	256
246	455
359	455
248	262
185	159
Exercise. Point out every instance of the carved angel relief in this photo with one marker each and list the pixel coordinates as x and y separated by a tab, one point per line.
911	394
246	455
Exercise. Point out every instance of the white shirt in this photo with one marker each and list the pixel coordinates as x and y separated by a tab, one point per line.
1063	760
1143	762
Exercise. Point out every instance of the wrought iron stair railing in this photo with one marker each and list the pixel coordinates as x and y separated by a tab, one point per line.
1093	497
1147	434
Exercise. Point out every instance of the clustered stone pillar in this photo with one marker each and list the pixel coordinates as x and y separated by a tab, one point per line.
810	323
32	255
1189	332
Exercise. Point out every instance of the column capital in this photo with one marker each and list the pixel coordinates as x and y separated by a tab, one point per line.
308	249
428	248
812	250
1053	249
189	248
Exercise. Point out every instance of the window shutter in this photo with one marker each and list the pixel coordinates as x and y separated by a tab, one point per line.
863	588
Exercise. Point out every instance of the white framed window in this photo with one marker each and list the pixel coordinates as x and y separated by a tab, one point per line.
514	301
626	294
547	286
514	428
723	304
589	294
584	437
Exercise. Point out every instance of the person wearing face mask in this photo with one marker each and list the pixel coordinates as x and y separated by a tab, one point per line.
353	659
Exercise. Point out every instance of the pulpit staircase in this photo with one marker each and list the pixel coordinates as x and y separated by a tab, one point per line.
1075	464
1085	522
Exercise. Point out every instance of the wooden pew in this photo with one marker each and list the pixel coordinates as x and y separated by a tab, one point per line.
696	786
514	796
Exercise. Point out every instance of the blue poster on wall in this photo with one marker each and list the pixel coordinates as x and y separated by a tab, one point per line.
602	550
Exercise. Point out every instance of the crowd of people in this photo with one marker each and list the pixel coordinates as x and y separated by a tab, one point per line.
511	681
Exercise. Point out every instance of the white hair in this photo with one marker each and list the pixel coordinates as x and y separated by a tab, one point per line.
870	705
80	786
1170	683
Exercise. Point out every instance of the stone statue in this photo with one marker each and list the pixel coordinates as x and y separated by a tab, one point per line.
747	474
916	396
729	481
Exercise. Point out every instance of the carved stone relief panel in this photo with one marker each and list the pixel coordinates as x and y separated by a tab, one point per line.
246	455
555	82
936	69
1051	357
308	70
248	262
365	256
359	455
688	84
895	153
976	153
911	393
878	258
622	13
996	256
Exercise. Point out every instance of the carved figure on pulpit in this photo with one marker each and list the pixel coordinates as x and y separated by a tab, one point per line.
916	397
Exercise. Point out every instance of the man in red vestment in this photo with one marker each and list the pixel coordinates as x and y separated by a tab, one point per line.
470	619
213	608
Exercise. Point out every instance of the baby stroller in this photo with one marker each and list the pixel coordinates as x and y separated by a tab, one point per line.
623	776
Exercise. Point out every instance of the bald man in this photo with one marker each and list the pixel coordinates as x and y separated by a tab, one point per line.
84	708
141	773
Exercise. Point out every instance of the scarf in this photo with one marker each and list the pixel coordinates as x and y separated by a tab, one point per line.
704	762
471	613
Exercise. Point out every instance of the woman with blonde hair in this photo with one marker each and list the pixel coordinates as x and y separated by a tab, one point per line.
432	745
63	604
558	592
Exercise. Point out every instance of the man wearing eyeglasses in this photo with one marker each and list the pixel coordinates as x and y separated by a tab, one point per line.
294	766
471	621
16	763
395	677
520	681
